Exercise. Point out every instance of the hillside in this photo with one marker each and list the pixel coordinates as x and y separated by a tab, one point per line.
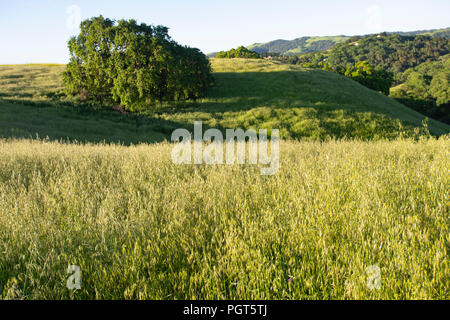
302	103
304	45
392	52
298	46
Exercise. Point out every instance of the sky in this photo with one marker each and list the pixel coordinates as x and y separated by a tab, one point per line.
37	31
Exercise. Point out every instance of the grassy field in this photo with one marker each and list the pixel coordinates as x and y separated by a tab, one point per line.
303	104
142	228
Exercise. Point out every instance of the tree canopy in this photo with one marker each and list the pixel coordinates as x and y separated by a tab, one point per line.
135	65
426	88
373	78
240	52
393	52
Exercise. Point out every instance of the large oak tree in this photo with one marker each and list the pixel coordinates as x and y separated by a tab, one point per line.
135	65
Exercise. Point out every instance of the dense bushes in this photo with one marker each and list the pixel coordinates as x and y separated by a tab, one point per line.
363	72
374	78
426	88
133	65
390	52
240	52
429	80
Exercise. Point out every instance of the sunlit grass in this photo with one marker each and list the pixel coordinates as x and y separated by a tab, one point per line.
141	227
304	104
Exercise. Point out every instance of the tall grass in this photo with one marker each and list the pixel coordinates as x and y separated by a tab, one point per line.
141	227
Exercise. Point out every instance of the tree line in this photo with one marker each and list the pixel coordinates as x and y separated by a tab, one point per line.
240	52
392	52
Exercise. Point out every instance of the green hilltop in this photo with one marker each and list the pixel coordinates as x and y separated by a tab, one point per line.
299	45
249	93
304	45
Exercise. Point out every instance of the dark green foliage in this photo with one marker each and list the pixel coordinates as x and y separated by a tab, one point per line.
373	78
426	88
390	52
363	72
87	73
353	39
133	65
240	52
312	60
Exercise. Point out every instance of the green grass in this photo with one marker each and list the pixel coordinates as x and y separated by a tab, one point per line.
141	227
302	103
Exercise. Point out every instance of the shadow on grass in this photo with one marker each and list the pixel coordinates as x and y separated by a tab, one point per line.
428	108
69	122
283	89
302	104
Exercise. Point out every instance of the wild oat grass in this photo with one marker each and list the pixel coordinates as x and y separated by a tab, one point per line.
141	227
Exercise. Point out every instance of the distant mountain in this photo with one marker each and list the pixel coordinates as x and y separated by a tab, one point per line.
445	33
299	45
314	44
392	52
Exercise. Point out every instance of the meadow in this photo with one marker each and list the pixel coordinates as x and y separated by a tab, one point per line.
361	183
141	227
303	104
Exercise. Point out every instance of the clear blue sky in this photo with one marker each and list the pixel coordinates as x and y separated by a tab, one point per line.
38	30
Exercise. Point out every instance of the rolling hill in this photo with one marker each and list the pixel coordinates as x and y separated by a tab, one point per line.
302	103
313	44
141	227
445	33
299	45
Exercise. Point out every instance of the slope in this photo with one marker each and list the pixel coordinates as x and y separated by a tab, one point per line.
298	46
304	45
302	103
